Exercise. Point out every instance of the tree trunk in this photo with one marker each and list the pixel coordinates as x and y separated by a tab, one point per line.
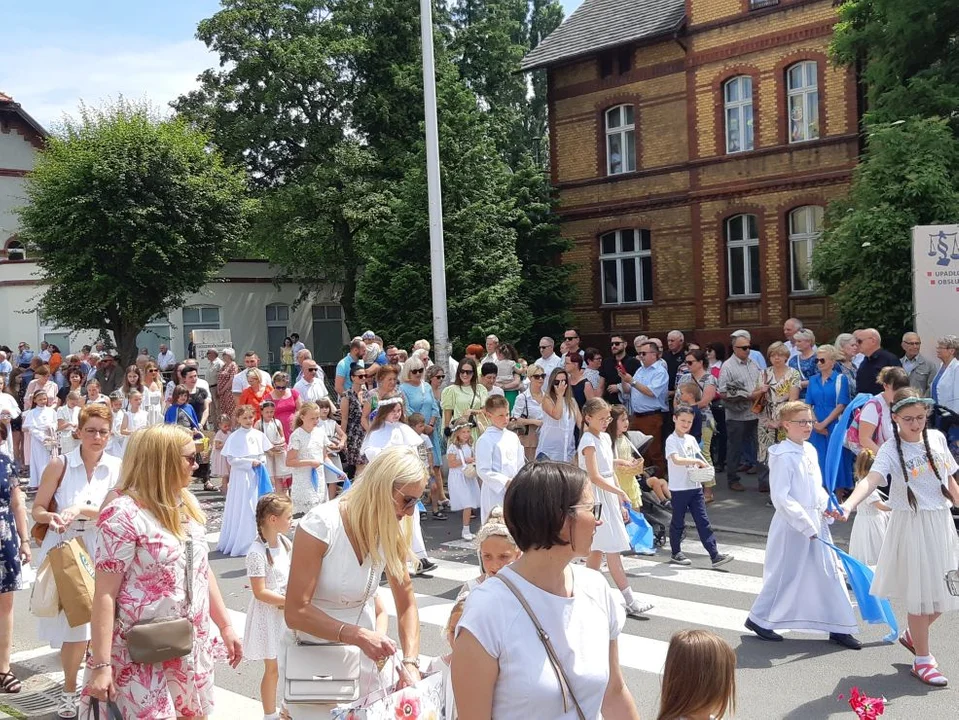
125	337
350	261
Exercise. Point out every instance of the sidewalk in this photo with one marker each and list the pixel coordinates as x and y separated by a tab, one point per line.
746	513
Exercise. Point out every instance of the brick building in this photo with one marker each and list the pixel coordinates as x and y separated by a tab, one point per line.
695	144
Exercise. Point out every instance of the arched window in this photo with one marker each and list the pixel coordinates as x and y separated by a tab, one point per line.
802	101
626	267
805	229
16	250
738	103
742	247
620	140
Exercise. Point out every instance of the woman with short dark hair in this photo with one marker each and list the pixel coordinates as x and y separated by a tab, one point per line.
500	665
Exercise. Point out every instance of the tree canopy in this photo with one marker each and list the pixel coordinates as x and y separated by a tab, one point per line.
128	214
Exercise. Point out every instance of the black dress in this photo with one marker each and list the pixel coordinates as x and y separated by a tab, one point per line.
579	393
9	538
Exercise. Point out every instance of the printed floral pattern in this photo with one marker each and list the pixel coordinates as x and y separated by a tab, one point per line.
9	540
153	564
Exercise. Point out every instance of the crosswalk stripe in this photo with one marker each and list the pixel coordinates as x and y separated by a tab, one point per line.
693	576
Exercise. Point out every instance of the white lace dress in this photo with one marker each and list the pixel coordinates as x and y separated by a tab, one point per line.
264	623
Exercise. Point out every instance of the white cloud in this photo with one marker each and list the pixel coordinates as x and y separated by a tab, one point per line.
49	81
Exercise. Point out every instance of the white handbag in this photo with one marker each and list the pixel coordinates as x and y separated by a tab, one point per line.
701	475
44	598
317	672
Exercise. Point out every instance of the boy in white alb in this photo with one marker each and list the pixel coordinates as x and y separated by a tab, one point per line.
499	455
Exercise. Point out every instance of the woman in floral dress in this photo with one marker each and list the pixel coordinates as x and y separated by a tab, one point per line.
780	383
224	383
351	412
14	551
141	564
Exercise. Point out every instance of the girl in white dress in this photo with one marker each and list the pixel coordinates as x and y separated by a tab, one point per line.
246	450
134	418
41	422
596	458
68	417
268	568
561	416
869	525
307	452
276	458
115	446
921	545
464	491
94	396
219	467
153	395
335	442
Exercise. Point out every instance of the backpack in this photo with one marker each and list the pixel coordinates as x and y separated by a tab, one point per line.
851	440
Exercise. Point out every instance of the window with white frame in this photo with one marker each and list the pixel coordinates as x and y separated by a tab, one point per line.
626	267
620	140
805	229
198	317
742	247
802	98
738	102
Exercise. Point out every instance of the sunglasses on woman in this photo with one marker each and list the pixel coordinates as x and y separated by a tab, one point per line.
466	371
558	382
416	371
409	502
539	376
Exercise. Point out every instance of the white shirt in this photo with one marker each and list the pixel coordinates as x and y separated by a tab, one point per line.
580	629
45	355
499	456
312	391
240	383
685	447
166	360
549	364
922	480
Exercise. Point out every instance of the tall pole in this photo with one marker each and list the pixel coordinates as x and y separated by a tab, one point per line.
441	340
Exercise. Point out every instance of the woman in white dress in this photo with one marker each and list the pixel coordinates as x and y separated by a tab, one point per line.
78	482
9	411
305	453
921	545
528	411
41	423
500	666
153	395
561	416
340	550
596	459
245	450
68	420
134	418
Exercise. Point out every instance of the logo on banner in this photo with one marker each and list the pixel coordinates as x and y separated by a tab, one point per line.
945	245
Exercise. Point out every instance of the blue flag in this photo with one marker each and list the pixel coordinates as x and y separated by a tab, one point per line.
346	483
837	453
263	484
640	532
420	507
874	610
315	479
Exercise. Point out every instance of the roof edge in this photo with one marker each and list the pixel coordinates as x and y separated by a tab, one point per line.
16	108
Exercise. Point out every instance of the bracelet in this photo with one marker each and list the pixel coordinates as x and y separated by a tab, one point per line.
340	632
98	666
415	662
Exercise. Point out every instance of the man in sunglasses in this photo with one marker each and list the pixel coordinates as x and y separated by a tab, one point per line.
647	401
571	342
738	379
615	393
548	359
312	384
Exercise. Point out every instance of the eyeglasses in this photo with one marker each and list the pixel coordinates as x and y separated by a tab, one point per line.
538	376
804	423
190	458
596	508
614	343
96	433
821	361
912	419
416	371
570	337
559	381
409	502
310	370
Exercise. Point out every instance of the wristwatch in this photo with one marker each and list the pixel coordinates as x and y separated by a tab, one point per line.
415	662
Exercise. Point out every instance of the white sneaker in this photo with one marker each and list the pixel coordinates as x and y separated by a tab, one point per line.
466	535
638	608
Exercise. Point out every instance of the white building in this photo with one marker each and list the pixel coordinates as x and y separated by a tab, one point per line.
246	300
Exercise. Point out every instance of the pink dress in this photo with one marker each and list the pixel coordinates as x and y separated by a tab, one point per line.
219	467
153	563
285	410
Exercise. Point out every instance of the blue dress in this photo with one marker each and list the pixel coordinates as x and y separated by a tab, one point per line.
9	537
823	396
419	399
808	369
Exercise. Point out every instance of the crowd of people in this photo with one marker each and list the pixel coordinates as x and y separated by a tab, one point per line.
541	460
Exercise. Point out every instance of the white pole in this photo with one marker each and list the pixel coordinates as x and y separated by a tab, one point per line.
441	340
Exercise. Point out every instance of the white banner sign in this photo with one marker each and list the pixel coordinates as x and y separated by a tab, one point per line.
935	262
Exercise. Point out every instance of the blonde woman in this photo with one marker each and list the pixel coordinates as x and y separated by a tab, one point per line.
148	539
340	550
561	416
528	410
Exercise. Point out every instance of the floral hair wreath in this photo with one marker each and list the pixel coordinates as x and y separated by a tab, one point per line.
912	401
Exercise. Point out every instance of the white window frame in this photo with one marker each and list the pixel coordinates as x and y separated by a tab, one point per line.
744	244
747	140
638	255
803	95
814	218
623	131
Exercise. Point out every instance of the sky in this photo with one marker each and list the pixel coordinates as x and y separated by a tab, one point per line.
59	52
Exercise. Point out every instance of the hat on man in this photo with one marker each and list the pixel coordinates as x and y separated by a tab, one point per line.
368	335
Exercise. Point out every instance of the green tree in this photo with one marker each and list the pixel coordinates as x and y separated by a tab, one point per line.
908	177
128	214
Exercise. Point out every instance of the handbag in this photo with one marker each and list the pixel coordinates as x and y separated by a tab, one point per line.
39	530
111	711
564	686
156	641
324	672
44	598
759	404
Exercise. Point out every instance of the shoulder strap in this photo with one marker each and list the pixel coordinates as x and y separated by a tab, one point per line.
564	685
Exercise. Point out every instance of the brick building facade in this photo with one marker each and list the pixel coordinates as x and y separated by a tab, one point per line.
695	144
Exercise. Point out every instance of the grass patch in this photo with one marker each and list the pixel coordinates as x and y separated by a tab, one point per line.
12	712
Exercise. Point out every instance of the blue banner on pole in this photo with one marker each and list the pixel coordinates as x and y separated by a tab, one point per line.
874	610
264	486
640	532
836	452
315	479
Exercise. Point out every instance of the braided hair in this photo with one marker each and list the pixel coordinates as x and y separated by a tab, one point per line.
271	505
905	394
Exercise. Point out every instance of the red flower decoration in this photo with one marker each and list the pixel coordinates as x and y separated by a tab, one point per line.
407	706
865	707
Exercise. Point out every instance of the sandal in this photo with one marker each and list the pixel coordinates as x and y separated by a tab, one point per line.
439	515
906	641
928	674
68	705
10	683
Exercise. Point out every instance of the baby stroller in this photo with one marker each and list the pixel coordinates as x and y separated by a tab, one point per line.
656	513
947	422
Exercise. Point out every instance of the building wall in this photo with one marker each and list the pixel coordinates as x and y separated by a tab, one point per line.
686	185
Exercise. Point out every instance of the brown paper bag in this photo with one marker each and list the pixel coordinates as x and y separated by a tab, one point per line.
74	575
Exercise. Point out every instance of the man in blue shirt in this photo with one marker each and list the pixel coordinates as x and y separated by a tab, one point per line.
647	402
355	355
